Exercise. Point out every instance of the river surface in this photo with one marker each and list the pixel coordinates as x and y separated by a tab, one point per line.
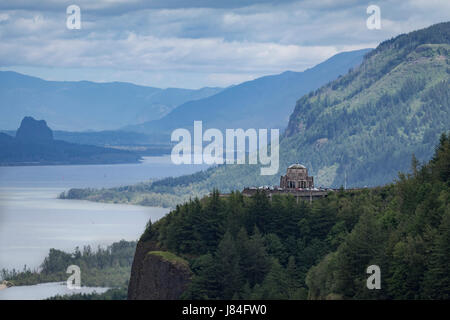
33	220
43	291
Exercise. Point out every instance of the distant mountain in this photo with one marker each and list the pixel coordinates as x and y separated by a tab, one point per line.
34	145
265	102
84	105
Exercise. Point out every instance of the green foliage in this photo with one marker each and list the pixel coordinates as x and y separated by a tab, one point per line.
168	256
255	248
408	237
148	232
111	294
237	246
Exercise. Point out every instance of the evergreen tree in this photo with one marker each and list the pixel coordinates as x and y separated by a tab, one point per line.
205	284
276	283
437	279
229	272
254	259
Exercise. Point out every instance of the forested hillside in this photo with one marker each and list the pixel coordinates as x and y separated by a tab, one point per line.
254	248
367	124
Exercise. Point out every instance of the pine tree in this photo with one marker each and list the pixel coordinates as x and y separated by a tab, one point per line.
437	279
276	283
205	284
254	259
230	275
260	213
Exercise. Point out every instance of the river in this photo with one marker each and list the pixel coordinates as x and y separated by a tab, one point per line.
44	290
33	220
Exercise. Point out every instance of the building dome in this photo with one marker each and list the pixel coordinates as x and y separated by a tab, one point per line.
296	178
296	166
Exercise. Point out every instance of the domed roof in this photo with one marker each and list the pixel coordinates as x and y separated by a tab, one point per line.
296	166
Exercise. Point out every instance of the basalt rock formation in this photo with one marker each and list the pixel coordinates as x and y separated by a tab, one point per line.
157	275
32	130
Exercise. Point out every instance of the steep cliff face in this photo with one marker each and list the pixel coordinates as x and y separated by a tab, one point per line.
157	275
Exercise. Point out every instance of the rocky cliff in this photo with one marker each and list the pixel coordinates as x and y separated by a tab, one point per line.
157	275
32	130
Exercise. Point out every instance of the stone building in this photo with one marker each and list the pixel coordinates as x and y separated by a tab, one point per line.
296	177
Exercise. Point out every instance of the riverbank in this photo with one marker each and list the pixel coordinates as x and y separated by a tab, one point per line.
5	285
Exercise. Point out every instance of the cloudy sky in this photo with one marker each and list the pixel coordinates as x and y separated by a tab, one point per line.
194	43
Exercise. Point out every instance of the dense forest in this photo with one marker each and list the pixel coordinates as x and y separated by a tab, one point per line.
254	248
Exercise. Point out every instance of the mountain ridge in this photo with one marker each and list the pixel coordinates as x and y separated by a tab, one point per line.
265	102
87	105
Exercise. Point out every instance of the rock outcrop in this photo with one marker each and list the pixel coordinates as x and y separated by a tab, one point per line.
157	275
32	130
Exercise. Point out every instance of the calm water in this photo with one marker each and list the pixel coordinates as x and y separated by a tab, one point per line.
33	220
43	291
93	175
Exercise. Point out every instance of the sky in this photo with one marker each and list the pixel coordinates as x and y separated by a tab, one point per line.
194	43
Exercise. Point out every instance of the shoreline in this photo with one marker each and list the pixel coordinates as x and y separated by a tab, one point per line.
5	285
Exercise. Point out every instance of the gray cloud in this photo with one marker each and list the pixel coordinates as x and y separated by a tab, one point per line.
209	42
120	6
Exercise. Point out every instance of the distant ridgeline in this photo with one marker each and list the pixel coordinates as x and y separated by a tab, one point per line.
264	102
34	145
86	105
253	248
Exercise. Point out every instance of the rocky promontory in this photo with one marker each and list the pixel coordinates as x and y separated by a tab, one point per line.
156	274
